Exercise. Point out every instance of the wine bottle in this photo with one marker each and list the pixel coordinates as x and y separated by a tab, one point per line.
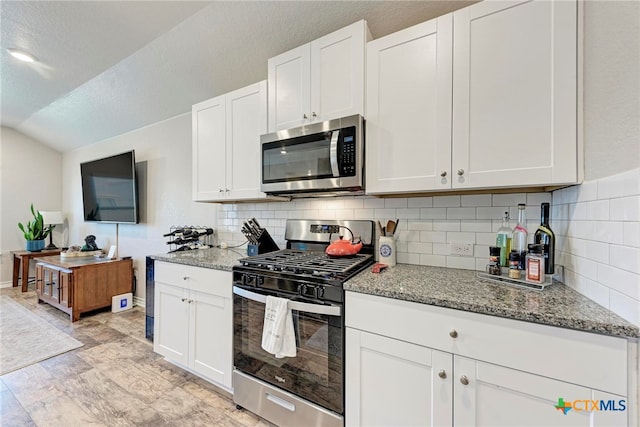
519	237
503	240
544	235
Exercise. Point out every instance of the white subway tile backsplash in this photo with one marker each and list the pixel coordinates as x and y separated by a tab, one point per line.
495	213
478	226
433	260
476	200
459	237
448	225
420	248
408	213
610	231
461	262
597	227
395	203
433	213
420	202
626	258
536	199
631	233
385	214
461	213
419	225
598	251
622	281
625	209
625	306
446	202
598	210
512	199
373	203
433	236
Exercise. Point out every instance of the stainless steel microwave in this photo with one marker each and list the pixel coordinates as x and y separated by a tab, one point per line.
315	159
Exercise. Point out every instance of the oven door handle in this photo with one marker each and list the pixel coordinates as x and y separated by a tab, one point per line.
330	310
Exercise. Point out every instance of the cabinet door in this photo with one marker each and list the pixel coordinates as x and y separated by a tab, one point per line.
395	383
515	93
337	73
211	347
64	288
492	395
409	109
289	76
246	121
171	325
209	150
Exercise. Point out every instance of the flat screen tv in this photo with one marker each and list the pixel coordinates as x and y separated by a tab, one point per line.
109	189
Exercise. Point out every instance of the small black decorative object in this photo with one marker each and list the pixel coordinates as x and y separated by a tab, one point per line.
90	243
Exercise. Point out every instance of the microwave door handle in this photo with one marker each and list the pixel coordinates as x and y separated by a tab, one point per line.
330	310
333	153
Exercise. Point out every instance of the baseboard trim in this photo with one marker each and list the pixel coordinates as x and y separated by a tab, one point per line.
6	284
138	301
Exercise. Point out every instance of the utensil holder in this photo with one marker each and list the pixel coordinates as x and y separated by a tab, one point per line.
387	250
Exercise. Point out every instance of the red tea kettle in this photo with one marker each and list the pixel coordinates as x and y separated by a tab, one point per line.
343	247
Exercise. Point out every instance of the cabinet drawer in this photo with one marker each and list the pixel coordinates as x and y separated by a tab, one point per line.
210	281
588	359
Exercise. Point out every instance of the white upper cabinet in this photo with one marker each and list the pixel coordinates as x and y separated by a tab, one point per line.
321	80
409	109
514	94
226	145
485	97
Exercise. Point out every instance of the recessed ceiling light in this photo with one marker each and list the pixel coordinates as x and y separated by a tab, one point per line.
21	55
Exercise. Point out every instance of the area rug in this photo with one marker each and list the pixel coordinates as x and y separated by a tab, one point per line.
26	338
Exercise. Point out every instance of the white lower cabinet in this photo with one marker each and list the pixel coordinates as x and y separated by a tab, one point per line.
396	383
193	317
419	365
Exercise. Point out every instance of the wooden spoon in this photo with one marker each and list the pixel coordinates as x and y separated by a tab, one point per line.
391	227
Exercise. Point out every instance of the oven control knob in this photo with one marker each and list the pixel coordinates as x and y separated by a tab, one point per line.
320	292
302	290
248	279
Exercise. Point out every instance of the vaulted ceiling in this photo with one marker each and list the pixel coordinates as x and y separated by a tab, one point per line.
104	68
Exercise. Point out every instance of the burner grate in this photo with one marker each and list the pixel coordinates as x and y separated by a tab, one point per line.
305	262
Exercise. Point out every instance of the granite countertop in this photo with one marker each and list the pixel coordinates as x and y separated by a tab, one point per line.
557	305
217	259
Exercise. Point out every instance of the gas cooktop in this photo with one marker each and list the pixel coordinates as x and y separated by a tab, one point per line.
308	263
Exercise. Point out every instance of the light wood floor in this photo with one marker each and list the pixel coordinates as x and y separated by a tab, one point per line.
115	379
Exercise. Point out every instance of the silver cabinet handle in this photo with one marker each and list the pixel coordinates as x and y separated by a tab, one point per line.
185	278
460	172
313	114
220	190
464	380
453	334
442	374
183	299
304	116
190	301
443	174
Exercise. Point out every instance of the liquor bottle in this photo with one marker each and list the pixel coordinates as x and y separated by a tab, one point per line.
519	236
544	235
503	240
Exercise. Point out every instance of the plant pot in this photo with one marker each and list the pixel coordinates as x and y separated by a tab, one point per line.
35	245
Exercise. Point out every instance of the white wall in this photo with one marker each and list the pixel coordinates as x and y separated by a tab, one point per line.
29	173
611	87
163	161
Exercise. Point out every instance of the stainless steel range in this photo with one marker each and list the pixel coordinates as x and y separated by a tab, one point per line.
307	389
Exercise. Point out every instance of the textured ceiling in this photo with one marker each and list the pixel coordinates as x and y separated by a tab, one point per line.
108	67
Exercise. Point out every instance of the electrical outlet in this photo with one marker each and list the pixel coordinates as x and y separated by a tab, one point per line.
461	249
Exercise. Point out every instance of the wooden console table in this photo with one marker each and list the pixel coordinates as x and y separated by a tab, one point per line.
25	257
79	285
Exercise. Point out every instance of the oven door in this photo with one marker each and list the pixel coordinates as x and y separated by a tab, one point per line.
316	372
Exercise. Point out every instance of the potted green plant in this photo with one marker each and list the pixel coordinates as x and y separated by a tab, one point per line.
35	232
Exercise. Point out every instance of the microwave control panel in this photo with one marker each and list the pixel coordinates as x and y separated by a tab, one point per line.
347	161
